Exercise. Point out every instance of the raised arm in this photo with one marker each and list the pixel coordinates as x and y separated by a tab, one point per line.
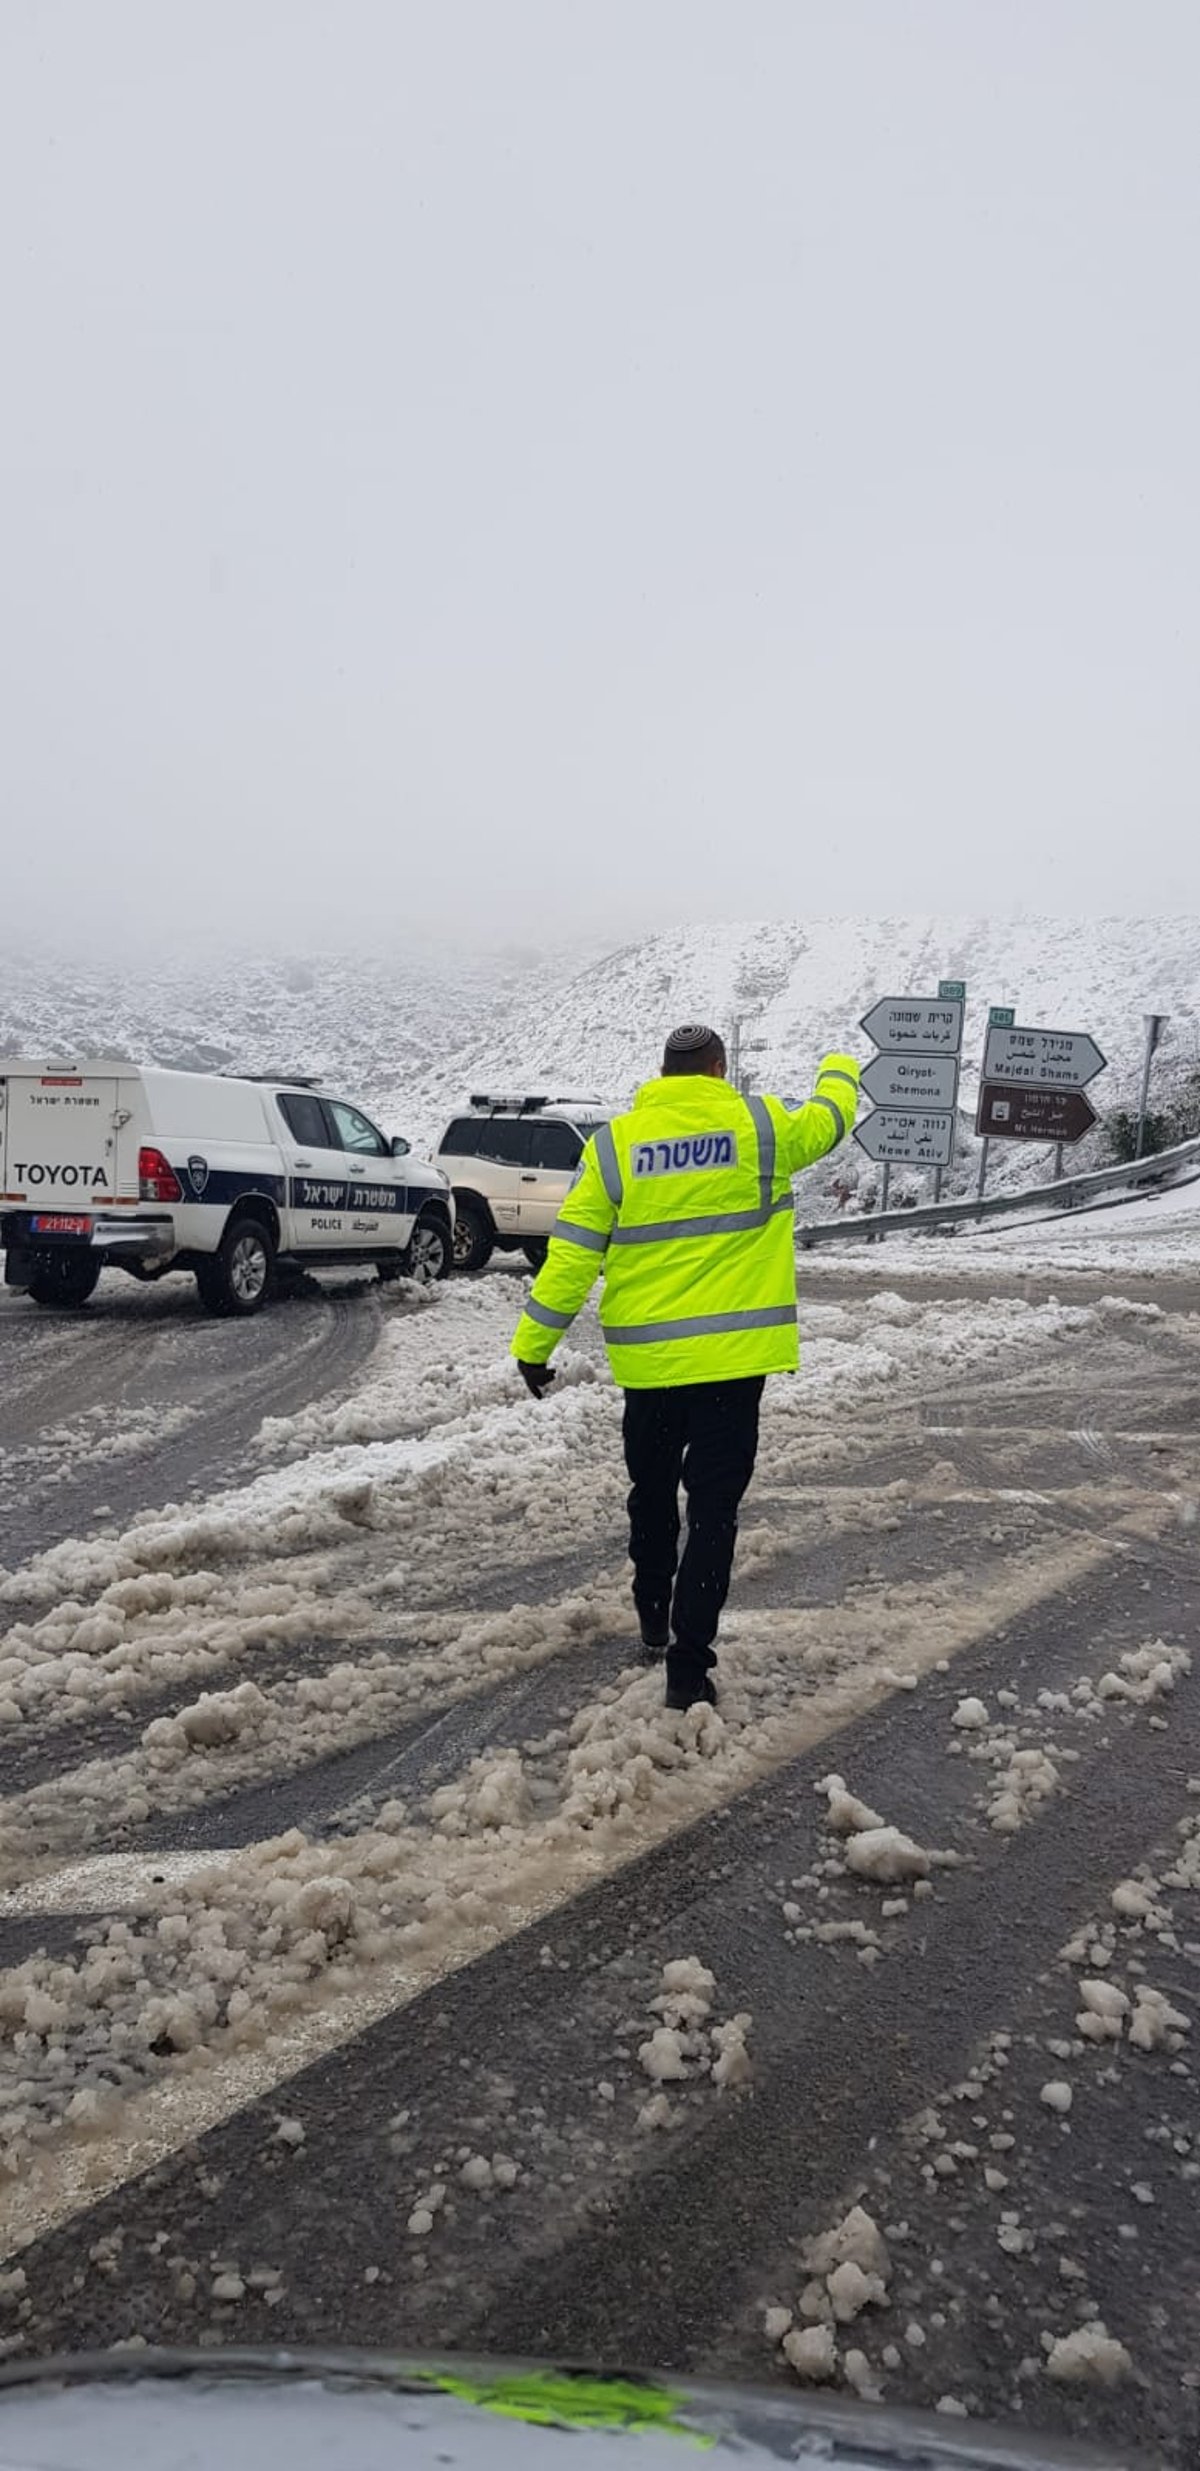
816	1128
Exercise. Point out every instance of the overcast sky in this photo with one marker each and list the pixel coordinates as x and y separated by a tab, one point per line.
523	467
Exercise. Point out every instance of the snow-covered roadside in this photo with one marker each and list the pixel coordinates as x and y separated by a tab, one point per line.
1158	1238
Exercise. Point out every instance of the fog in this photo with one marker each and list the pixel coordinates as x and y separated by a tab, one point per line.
513	470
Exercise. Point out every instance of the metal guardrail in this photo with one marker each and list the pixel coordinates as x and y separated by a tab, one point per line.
1137	1175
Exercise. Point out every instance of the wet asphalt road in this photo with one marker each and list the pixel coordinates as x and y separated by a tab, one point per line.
146	1399
628	2247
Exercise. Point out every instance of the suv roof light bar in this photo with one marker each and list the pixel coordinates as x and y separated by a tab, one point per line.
573	1098
481	1098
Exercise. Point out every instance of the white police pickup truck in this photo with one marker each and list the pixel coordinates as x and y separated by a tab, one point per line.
122	1165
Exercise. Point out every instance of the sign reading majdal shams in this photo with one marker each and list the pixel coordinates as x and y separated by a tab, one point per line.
1033	1081
1046	1059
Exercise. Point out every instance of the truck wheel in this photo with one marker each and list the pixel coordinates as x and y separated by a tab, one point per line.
535	1249
474	1242
430	1254
66	1283
239	1277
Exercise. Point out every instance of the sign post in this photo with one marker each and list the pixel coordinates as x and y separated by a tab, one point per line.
913	1082
1156	1023
1000	1017
952	990
1032	1085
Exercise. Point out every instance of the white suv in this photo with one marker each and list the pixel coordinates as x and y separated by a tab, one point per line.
511	1163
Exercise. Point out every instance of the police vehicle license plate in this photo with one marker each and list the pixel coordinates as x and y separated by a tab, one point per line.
61	1222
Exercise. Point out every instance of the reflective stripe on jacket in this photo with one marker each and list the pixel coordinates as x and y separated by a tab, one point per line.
685	1205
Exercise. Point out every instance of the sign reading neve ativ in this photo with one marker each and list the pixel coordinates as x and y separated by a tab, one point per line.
907	1136
1011	1111
913	1025
1047	1059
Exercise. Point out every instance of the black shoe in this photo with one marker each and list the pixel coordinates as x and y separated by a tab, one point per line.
655	1628
655	1641
683	1695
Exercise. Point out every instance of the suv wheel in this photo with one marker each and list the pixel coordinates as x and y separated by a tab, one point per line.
239	1277
430	1254
65	1282
474	1239
535	1249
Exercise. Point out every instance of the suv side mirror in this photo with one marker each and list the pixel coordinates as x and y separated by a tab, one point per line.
400	1147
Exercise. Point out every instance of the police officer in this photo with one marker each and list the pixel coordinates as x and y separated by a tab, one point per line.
685	1204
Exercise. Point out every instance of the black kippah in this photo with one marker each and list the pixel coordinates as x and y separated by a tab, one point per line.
690	1040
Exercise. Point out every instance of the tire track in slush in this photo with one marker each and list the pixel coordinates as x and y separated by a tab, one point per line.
174	2111
226	1375
621	2249
326	2213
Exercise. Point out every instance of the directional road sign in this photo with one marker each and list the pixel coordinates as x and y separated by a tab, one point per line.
907	1136
911	1080
1011	1111
1049	1059
915	1025
955	988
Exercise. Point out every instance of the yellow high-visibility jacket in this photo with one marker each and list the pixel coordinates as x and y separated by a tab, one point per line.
685	1205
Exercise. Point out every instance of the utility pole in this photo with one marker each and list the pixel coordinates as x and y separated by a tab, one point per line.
738	1047
750	1046
1156	1023
950	991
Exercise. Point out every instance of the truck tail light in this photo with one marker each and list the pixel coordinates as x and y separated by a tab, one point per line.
157	1180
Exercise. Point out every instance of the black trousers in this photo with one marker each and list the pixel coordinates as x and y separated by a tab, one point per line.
705	1435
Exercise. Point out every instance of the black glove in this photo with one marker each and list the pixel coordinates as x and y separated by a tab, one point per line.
536	1377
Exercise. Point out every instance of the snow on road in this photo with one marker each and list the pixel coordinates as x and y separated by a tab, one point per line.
420	1544
370	1503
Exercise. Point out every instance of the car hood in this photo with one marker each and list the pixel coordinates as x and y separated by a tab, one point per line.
237	2410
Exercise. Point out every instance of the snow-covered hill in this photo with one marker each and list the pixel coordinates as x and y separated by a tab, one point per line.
412	1032
388	1029
802	986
